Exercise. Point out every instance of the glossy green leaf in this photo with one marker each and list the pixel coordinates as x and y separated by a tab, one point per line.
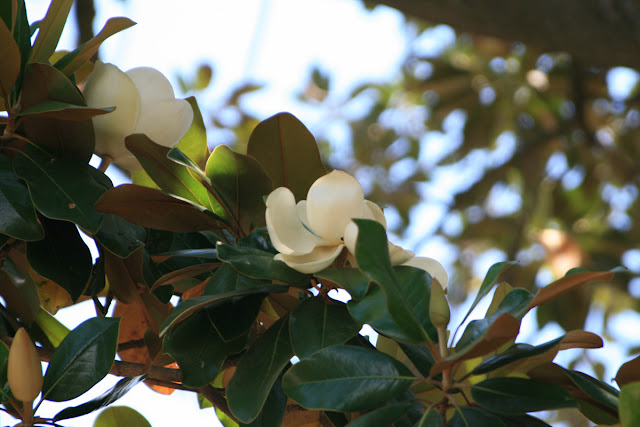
198	349
475	417
381	417
120	236
62	256
51	327
487	284
629	398
359	379
17	213
10	54
520	395
196	253
64	111
121	388
242	183
120	416
50	30
194	143
599	391
316	324
176	155
273	412
408	296
350	279
288	153
22	35
167	174
234	317
5	391
227	279
420	356
69	139
62	188
152	208
522	421
431	418
74	60
260	264
514	303
258	370
83	358
512	354
19	291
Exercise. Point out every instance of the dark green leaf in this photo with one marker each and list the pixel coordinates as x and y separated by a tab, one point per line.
5	391
196	253
274	409
107	398
64	111
381	417
50	30
233	317
522	421
599	391
169	175
337	419
487	284
351	279
83	358
241	183
288	153
359	379
22	34
520	395
420	356
19	291
258	370
431	418
475	417
260	264
512	354
120	236
227	279
198	348
62	188
62	256
315	324
407	296
17	213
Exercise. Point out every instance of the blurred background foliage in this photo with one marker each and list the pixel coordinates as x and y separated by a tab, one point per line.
491	148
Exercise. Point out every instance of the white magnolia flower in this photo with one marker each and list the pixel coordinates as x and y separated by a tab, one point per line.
145	103
311	234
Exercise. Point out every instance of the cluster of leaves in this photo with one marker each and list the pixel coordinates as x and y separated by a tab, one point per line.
191	226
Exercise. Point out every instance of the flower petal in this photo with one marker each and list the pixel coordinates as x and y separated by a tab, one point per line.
128	162
398	255
331	203
287	233
351	237
107	86
376	213
431	266
152	84
165	122
321	258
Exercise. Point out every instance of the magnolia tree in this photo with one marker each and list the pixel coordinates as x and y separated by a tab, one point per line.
250	247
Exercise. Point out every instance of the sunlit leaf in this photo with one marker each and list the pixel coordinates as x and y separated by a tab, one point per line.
487	284
50	30
629	398
120	416
288	153
194	143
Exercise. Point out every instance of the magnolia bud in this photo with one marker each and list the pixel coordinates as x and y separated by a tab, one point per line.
24	370
438	307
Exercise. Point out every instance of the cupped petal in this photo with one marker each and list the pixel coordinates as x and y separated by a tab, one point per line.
165	122
152	84
431	266
319	259
332	201
398	255
351	237
108	86
375	213
288	235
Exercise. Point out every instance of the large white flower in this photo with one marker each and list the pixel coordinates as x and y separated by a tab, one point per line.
145	103
311	234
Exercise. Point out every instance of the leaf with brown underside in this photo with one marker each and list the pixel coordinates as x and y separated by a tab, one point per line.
154	209
628	372
567	283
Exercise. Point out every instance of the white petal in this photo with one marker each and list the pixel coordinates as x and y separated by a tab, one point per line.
107	86
351	236
376	213
321	258
431	266
165	122
128	162
398	255
331	203
287	233
152	84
